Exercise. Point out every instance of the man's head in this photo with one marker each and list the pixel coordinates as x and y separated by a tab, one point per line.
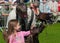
58	0
53	0
44	1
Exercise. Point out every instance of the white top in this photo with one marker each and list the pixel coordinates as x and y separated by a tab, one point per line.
53	5
12	15
29	12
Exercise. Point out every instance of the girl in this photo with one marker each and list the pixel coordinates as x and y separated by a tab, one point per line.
14	33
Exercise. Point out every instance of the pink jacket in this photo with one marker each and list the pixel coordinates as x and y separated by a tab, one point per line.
19	38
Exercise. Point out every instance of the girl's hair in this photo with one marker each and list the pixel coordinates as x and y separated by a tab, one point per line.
12	23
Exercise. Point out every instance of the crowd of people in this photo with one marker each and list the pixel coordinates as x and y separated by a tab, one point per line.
22	16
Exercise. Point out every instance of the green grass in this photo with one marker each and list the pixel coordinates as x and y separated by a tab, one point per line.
51	34
1	38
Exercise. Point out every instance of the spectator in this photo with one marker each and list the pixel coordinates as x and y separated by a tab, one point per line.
12	15
44	8
53	7
5	13
58	10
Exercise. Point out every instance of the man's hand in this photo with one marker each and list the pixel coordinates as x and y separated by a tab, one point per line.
5	14
1	2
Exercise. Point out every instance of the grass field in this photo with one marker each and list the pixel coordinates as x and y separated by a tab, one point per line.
1	38
51	34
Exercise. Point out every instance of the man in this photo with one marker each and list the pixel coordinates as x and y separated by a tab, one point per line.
53	7
5	13
44	8
58	10
0	16
12	14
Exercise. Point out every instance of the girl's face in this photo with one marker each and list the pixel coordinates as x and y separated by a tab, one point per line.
18	27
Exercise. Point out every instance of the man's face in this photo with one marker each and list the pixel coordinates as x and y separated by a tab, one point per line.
6	7
44	1
53	0
58	0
